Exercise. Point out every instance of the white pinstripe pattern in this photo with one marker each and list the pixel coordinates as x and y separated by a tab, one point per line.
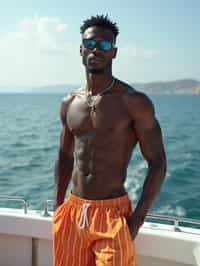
61	240
86	253
63	233
68	241
86	258
61	258
108	212
72	241
101	222
121	252
84	232
57	247
92	212
127	246
73	250
56	251
113	247
100	245
81	245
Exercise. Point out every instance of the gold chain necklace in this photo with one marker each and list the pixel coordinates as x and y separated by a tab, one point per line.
91	100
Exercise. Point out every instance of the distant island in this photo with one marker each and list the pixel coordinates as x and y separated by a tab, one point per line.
182	86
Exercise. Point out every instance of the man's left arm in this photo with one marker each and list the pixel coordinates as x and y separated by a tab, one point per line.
149	136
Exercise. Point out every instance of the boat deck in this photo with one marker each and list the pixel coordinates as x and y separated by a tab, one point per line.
26	240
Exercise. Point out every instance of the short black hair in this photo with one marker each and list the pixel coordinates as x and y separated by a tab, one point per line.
100	21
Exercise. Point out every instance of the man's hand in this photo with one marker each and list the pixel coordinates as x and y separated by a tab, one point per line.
133	225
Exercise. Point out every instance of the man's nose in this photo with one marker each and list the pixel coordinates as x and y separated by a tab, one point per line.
96	50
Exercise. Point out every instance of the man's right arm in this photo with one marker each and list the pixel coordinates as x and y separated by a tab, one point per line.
65	161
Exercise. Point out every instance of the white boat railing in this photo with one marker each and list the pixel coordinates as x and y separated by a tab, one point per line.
46	204
175	220
12	198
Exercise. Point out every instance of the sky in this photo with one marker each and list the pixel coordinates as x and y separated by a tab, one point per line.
40	39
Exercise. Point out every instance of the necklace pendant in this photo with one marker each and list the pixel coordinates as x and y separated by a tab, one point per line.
93	115
89	99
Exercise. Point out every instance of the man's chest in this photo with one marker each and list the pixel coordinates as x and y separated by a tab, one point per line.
106	114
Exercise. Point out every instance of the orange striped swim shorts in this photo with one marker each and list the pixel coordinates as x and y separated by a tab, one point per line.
93	232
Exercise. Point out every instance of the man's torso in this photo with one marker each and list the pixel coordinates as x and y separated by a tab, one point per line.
103	143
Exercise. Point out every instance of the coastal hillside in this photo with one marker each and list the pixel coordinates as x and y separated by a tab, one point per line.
183	86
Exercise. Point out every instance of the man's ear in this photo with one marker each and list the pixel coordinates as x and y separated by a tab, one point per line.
115	52
81	48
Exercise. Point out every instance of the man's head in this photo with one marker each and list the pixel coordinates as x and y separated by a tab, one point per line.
98	43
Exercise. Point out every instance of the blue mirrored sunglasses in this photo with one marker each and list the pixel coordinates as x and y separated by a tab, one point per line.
103	45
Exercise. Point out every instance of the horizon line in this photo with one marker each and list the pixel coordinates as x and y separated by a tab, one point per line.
78	84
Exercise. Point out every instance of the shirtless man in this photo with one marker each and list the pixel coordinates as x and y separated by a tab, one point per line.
102	123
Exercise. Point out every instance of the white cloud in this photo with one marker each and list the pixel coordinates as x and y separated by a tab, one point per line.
39	53
43	33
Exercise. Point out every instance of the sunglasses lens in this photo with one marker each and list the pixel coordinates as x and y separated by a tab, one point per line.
105	45
89	43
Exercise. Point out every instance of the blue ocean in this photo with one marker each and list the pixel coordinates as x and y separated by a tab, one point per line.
29	138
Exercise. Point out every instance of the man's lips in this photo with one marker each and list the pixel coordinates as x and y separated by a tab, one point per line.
96	59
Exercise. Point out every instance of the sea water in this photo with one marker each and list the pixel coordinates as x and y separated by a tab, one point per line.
29	139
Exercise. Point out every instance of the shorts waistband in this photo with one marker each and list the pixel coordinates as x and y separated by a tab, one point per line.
112	202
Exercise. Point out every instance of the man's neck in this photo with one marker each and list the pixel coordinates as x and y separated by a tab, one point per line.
98	82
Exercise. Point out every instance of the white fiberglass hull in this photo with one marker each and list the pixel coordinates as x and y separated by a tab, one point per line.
26	240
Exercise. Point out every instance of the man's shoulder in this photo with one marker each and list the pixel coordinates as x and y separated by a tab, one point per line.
135	100
68	97
71	95
65	103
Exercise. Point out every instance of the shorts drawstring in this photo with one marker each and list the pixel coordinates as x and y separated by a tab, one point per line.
83	222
